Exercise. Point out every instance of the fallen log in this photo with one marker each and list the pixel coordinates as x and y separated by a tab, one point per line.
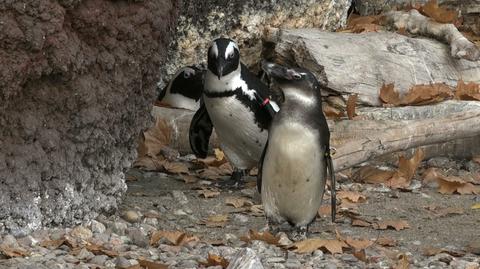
357	141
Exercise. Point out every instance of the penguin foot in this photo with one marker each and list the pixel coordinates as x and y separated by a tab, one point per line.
271	227
238	175
236	181
299	233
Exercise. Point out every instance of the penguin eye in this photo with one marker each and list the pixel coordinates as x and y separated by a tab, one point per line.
297	76
187	74
231	55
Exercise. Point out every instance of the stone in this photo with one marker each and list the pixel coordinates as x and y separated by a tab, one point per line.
9	241
138	236
122	262
84	254
245	259
97	227
99	260
118	227
180	197
81	232
240	218
151	221
69	120
27	241
131	216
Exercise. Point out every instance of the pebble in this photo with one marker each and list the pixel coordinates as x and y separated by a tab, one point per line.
274	259
180	197
99	260
179	212
27	241
57	234
240	218
97	227
82	233
122	262
131	216
118	227
151	221
84	254
9	241
138	237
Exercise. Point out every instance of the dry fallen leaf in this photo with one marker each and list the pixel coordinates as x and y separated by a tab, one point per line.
351	103
470	91
154	139
439	14
52	244
208	193
417	95
333	246
238	202
324	211
256	210
388	95
216	220
175	167
442	212
151	265
370	174
432	251
261	236
386	242
332	112
358	244
403	262
476	206
176	238
13	252
450	184
360	223
354	197
395	224
189	179
360	24
361	255
100	250
215	260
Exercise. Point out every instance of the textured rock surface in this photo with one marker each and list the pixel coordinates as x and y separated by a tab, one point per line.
246	21
77	79
362	63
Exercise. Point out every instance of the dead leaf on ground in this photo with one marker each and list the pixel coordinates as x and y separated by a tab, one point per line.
332	112
445	211
432	251
324	211
261	236
403	262
176	238
470	91
154	139
189	179
386	242
151	265
216	220
238	202
100	250
352	196
175	167
333	246
208	192
417	95
351	104
256	210
394	224
476	206
439	14
361	255
52	244
215	260
388	95
450	184
360	24
358	244
360	223
14	252
370	174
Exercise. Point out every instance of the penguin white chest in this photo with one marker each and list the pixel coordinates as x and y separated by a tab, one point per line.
293	174
179	101
241	138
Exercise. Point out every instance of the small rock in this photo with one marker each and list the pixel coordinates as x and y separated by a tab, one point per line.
240	218
57	234
9	241
230	237
284	240
180	197
318	253
84	254
70	259
151	221
180	212
438	162
82	233
417	243
122	262
97	227
27	241
99	260
131	216
275	260
109	264
245	259
118	227
188	264
138	237
249	192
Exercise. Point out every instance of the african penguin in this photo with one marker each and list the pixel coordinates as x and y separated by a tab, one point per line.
237	105
184	89
294	164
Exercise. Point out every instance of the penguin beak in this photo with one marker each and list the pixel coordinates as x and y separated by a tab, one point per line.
219	70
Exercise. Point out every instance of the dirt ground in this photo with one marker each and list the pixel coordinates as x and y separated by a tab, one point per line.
434	219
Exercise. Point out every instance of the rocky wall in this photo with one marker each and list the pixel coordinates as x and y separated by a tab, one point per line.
77	80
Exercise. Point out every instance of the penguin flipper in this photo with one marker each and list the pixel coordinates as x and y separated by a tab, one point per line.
331	172
201	128
260	165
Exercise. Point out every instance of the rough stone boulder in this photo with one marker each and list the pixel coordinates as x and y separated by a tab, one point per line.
77	80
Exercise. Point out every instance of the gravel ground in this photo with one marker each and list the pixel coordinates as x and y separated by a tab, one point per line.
157	203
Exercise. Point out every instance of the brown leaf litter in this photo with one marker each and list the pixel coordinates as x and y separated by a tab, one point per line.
450	184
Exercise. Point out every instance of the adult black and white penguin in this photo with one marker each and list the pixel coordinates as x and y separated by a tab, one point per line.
237	104
294	164
184	89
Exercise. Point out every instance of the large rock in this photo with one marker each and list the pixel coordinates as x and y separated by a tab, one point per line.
77	80
362	63
245	21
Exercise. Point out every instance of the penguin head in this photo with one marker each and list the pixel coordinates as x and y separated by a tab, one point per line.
291	78
188	81
223	57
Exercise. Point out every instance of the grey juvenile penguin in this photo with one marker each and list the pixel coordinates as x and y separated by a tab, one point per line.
294	164
237	104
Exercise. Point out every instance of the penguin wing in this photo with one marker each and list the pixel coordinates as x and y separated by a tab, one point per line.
260	165
325	141
201	128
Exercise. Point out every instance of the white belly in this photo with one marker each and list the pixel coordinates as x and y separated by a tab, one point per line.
240	137
293	174
179	101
